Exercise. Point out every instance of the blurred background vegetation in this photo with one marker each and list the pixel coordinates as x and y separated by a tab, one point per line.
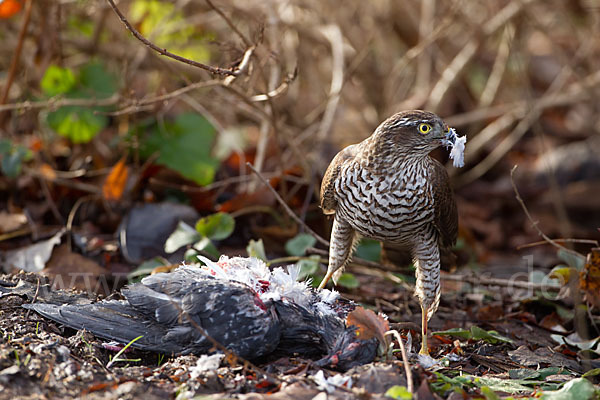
94	122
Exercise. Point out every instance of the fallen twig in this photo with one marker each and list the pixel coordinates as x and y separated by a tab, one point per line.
409	378
228	353
479	280
35	296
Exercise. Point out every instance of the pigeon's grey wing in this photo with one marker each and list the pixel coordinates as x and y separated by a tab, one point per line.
110	320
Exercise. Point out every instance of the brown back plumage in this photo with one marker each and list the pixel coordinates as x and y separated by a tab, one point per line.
328	201
446	214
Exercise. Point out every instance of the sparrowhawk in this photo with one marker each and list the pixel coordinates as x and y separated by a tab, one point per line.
388	188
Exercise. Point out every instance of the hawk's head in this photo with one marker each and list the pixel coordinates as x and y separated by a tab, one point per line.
416	131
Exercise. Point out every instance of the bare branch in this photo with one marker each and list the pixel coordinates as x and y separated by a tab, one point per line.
287	208
165	52
17	54
231	25
535	223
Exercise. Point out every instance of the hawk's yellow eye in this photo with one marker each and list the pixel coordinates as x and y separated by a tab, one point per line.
424	128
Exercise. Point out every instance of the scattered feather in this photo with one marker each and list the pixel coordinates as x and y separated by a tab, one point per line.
331	384
206	363
426	361
457	145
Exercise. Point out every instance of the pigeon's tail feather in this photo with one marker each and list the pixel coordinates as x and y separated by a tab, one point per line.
112	320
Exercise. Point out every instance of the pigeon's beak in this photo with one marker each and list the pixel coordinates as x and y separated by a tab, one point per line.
449	136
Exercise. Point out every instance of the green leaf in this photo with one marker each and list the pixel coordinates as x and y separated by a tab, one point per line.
458	332
147	267
170	28
576	261
96	81
546	372
348	280
591	372
577	389
308	266
207	246
78	124
523	373
216	226
488	336
475	333
399	393
256	249
489	393
297	245
501	385
183	235
369	249
57	80
184	146
13	156
83	26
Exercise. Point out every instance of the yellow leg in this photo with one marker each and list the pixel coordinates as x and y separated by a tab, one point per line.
424	348
326	279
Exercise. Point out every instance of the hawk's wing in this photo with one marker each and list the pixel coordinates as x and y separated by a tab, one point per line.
328	198
446	215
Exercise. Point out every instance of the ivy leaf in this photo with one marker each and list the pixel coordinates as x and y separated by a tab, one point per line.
348	281
256	249
399	393
369	249
147	267
488	336
184	146
207	246
97	81
57	80
216	226
501	385
78	124
308	267
181	236
577	389
475	333
297	245
13	156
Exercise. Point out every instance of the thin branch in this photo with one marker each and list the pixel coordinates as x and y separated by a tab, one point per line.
165	52
136	105
480	280
217	184
84	187
334	35
565	240
278	90
228	22
287	208
465	55
57	102
17	53
535	223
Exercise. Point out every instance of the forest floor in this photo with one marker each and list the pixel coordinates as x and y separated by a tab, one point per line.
493	345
